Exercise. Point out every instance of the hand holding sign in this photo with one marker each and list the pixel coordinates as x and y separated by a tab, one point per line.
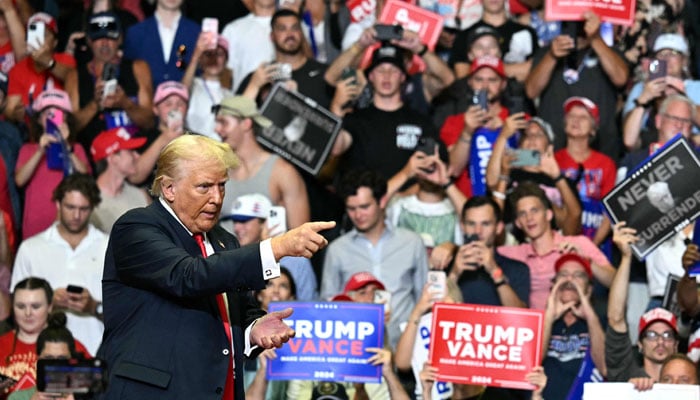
623	237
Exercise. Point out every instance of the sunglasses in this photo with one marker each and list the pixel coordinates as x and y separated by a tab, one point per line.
181	51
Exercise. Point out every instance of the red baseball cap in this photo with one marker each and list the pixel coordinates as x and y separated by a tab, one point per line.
342	297
360	280
494	63
655	315
585	263
584	102
47	19
111	141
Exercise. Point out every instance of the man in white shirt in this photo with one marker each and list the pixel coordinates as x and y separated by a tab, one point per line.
69	255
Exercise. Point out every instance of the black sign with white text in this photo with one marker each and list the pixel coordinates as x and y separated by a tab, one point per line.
303	132
660	198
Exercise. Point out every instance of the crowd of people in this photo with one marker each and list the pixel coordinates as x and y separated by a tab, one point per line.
486	155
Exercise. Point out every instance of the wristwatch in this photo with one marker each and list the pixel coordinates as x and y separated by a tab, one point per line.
637	103
498	278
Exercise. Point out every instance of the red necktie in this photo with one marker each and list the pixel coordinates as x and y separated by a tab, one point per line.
228	387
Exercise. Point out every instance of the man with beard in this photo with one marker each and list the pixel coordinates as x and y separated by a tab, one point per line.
395	256
70	255
658	331
100	105
288	39
571	327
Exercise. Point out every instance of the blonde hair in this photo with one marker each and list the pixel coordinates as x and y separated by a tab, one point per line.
190	147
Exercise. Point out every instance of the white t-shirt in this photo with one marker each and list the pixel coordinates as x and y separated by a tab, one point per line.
47	255
249	45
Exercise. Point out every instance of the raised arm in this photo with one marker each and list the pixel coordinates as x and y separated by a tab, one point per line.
617	300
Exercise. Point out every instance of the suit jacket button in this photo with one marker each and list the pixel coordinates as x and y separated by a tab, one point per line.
219	390
225	352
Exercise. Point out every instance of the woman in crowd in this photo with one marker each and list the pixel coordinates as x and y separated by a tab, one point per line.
51	154
55	342
31	307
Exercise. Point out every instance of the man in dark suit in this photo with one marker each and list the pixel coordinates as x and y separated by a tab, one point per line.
166	32
164	332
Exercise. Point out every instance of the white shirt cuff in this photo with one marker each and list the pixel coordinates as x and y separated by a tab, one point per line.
248	347
271	268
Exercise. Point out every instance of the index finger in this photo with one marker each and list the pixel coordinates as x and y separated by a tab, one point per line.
320	225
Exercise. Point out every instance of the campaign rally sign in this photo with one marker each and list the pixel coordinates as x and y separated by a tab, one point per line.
485	345
660	197
329	343
426	24
626	391
615	11
302	132
360	9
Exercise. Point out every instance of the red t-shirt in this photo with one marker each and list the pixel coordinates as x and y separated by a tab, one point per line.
599	170
449	134
39	209
23	77
7	57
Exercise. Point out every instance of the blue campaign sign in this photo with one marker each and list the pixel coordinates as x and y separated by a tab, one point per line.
330	342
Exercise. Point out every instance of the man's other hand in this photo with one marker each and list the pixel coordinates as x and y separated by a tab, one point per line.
270	331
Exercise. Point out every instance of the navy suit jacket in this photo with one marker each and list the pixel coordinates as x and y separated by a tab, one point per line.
164	337
142	42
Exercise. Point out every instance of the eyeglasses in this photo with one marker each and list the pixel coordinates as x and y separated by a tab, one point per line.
181	51
684	121
668	53
667	336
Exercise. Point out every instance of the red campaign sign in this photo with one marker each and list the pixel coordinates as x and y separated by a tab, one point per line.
485	345
361	9
619	12
426	24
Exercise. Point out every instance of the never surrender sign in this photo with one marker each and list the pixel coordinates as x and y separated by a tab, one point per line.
660	198
615	11
329	343
302	133
485	345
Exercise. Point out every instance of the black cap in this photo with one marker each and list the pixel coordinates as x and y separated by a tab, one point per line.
388	53
104	25
480	32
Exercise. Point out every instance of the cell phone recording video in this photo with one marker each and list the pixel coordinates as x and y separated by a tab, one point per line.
526	158
481	98
657	69
388	32
470	238
76	376
438	284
